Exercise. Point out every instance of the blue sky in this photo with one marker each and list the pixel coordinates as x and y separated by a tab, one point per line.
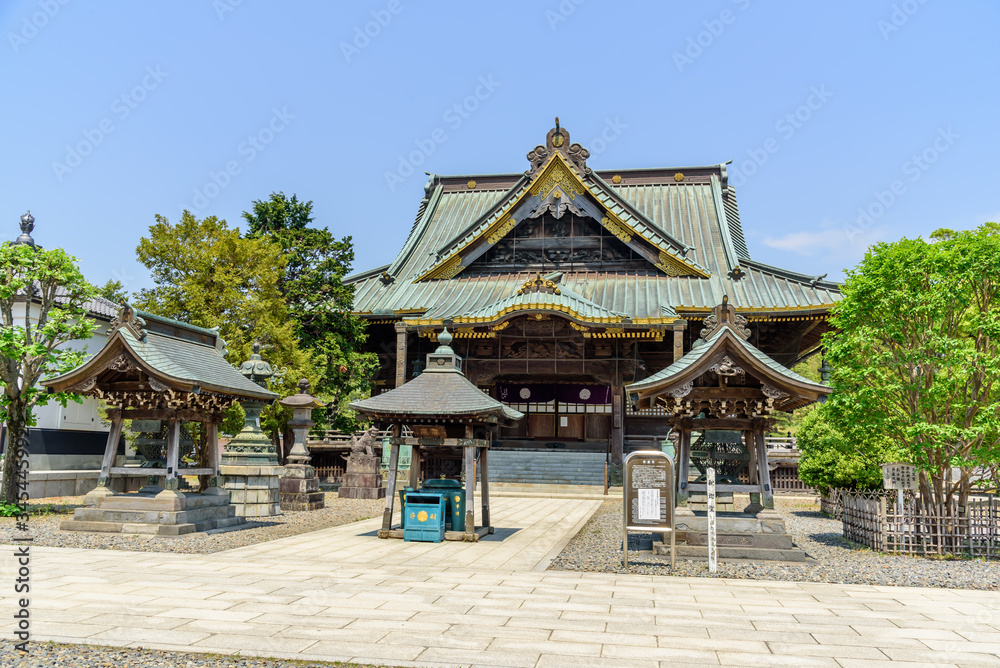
848	122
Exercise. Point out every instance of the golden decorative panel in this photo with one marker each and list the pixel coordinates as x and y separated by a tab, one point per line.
471	184
617	229
451	268
617	178
558	175
504	226
678	176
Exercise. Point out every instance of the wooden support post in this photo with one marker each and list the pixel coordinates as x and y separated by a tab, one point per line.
679	339
110	450
390	492
400	353
617	424
173	454
484	476
214	451
414	466
683	462
763	473
751	446
470	487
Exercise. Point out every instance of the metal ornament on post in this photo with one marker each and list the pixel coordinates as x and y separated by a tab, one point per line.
252	447
249	465
27	225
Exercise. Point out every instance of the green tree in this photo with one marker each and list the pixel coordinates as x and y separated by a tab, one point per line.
113	291
832	461
916	359
32	343
318	301
207	274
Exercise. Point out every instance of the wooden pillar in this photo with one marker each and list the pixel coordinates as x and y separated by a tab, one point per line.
678	349
110	450
484	476
470	487
617	424
414	466
763	472
173	453
683	463
752	472
400	353
390	492
214	451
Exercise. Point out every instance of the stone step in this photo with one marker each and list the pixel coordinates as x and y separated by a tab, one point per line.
114	515
780	541
732	552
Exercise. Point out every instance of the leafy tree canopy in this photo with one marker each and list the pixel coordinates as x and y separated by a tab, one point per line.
318	301
32	340
916	355
207	274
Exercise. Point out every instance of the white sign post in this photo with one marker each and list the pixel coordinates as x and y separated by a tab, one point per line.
713	556
900	476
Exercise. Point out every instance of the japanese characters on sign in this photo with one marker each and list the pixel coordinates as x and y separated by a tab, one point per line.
899	475
649	500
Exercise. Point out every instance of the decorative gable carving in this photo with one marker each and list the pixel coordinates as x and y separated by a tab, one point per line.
557	140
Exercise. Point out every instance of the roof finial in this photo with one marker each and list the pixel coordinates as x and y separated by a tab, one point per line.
27	225
444	338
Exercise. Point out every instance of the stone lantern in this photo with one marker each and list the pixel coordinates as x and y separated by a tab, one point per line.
299	485
250	466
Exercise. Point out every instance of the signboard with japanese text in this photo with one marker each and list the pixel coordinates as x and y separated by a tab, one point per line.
649	491
900	475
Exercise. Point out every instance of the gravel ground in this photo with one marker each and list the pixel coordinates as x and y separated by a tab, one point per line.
598	548
52	655
44	528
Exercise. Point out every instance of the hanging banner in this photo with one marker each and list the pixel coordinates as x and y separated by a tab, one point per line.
583	394
511	393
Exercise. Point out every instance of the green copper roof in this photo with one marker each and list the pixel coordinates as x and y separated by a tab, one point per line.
567	301
708	347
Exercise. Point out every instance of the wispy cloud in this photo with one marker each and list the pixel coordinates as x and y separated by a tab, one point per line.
827	239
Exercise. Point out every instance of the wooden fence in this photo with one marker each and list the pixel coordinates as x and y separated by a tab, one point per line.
330	474
877	520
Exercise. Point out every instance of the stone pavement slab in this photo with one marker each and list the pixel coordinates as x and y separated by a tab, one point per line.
342	594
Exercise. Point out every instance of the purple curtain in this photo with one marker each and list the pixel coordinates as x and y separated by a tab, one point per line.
541	393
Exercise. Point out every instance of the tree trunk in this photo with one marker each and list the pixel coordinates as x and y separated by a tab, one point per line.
16	431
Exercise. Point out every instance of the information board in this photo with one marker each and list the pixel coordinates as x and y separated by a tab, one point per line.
648	492
899	475
648	480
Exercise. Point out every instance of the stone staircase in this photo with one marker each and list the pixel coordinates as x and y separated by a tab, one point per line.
546	467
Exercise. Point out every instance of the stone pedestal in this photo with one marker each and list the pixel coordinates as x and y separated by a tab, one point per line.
300	488
168	513
362	480
760	537
253	490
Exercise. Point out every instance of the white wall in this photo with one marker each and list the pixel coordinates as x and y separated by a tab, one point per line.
82	417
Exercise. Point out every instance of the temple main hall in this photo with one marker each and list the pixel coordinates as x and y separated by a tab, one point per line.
565	283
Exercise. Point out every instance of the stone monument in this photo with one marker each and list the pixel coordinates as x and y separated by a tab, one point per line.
299	485
250	466
363	480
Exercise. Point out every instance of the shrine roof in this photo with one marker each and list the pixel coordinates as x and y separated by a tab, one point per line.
441	391
689	214
729	338
180	363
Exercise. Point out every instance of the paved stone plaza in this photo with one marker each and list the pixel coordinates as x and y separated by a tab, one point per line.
342	594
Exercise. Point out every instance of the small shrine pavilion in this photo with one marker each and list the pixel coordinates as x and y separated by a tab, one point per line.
449	417
725	390
157	369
